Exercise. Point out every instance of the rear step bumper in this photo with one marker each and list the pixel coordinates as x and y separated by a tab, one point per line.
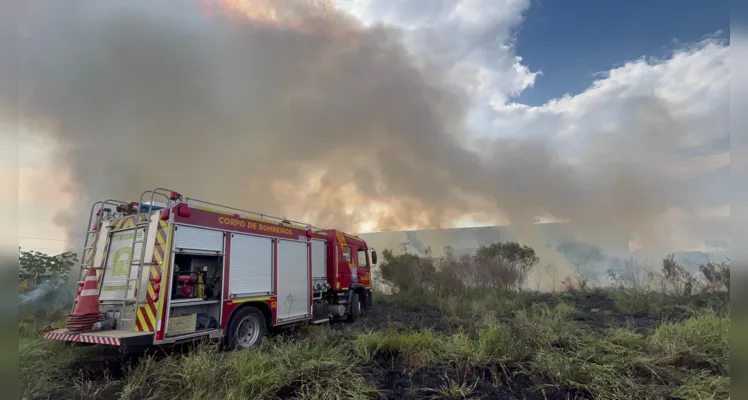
109	337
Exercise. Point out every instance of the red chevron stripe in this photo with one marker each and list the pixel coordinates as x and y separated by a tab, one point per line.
138	325
148	323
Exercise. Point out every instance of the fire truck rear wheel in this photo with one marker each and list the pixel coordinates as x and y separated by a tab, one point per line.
246	329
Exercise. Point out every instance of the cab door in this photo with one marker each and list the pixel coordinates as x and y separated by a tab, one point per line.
347	267
364	268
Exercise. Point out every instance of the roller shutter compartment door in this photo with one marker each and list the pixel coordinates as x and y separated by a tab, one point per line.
190	238
319	256
250	265
293	279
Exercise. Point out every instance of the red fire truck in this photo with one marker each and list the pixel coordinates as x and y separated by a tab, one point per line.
173	269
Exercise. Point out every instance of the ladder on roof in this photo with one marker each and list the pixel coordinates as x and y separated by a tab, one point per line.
190	200
90	245
141	221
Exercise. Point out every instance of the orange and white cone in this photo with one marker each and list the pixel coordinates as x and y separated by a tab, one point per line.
86	311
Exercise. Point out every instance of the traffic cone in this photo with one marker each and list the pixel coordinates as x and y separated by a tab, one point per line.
86	311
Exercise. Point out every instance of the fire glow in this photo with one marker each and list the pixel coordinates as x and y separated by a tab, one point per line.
290	13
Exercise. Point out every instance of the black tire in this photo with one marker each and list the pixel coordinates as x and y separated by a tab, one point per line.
355	308
369	301
249	318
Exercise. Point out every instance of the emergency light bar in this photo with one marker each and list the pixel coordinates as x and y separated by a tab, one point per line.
147	206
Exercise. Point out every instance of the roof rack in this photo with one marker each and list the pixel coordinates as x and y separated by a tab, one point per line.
190	200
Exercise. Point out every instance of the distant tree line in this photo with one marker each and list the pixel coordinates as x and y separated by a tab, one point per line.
505	266
500	266
34	266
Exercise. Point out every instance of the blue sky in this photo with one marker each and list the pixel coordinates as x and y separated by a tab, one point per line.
569	41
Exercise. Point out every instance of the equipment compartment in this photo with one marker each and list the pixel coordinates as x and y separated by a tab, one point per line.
197	277
196	289
191	318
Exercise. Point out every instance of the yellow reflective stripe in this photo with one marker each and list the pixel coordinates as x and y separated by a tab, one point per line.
157	256
112	288
160	239
141	320
151	317
161	304
250	299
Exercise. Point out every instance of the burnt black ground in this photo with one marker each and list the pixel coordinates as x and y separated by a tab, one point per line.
407	319
396	381
593	310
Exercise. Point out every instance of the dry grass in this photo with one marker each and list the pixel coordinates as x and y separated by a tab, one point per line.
516	345
314	368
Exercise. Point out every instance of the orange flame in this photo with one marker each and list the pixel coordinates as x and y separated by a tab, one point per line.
314	17
289	13
259	10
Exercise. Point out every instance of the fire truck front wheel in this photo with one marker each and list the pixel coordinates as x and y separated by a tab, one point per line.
246	329
355	308
369	300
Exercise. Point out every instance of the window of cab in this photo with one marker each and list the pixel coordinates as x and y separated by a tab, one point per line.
362	259
347	254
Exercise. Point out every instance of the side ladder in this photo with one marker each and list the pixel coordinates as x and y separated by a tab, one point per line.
141	221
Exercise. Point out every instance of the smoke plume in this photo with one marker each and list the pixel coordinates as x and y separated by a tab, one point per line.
285	108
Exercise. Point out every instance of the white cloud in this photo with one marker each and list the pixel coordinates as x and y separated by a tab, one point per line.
469	40
639	113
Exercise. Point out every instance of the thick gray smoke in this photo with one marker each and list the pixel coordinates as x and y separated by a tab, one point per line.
307	115
46	295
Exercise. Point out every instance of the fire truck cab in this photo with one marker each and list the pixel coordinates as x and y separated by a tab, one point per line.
174	269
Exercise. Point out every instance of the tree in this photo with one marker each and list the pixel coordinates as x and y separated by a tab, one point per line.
505	265
717	275
406	272
675	278
33	264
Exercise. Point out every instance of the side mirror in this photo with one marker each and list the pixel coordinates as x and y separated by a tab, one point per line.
373	257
